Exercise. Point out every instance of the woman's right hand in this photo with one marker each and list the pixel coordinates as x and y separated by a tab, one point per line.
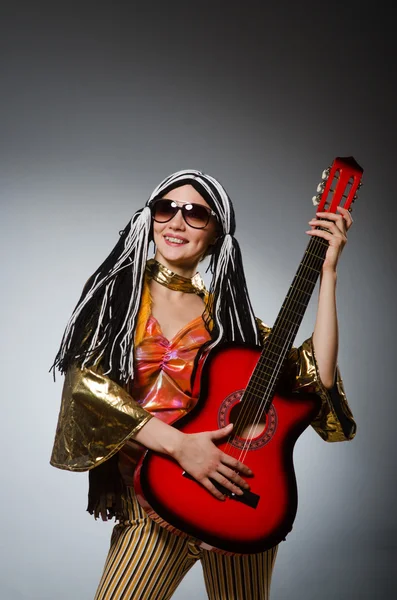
199	456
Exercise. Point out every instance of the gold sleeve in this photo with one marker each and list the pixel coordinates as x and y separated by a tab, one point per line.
97	416
334	422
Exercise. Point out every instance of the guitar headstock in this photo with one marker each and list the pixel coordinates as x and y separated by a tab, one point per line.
339	186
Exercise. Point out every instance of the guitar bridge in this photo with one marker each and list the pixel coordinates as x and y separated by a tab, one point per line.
247	497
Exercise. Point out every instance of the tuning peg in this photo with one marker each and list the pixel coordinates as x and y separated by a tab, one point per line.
316	200
321	186
326	173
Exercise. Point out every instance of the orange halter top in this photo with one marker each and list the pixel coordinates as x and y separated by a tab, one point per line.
162	383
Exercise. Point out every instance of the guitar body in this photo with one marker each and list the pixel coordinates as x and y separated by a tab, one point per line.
185	507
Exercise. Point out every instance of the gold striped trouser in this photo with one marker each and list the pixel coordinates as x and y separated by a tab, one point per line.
147	562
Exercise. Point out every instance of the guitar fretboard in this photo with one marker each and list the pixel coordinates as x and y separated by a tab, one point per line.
340	185
264	379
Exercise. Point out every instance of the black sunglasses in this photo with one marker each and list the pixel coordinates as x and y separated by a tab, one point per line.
195	215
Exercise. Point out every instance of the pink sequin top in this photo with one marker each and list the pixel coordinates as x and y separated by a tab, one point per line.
162	378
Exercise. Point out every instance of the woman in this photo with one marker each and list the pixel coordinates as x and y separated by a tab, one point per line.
128	353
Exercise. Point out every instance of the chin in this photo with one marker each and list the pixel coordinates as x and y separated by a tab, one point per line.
174	257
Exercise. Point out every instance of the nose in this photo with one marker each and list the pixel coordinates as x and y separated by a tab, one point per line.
177	221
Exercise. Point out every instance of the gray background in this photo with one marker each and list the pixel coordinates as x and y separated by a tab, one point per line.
99	102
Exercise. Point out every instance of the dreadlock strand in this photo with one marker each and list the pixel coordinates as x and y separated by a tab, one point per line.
101	309
93	346
236	318
120	360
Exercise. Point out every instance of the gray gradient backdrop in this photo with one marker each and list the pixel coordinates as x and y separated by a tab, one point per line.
99	102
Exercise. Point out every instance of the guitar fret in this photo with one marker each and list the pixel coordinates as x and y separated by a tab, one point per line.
315	255
289	321
295	312
283	329
311	268
303	291
270	358
305	279
275	335
297	301
321	243
259	390
261	400
271	352
261	372
280	345
258	384
264	367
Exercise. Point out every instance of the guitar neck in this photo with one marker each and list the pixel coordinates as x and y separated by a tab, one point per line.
271	362
340	183
297	300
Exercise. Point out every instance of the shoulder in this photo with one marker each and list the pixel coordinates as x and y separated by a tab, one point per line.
264	329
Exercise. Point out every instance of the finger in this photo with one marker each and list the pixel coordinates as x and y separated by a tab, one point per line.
221	433
342	222
330	225
229	485
326	215
326	235
333	238
235	465
233	476
338	229
211	488
346	215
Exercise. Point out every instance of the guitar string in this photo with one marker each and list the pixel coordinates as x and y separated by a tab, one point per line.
270	382
276	368
308	284
322	245
304	269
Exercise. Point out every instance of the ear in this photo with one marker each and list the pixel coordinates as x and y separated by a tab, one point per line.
210	247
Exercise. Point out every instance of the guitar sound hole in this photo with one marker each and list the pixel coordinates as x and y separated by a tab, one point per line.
243	419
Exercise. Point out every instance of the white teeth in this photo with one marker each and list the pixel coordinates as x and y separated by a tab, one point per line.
174	240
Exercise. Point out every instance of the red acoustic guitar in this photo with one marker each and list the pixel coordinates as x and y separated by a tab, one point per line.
237	383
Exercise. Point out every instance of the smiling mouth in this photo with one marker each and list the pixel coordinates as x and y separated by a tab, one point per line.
174	240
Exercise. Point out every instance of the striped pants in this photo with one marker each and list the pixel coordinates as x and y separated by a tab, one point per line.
147	562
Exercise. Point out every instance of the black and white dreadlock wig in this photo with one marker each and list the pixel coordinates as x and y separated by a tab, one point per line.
103	322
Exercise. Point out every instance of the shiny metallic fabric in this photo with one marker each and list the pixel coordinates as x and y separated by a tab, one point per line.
163	379
334	422
96	418
173	281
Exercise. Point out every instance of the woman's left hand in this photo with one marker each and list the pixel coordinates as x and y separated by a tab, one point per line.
337	225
